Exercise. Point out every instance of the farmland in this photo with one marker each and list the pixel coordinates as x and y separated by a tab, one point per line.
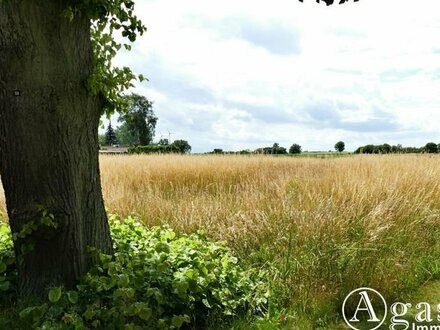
321	227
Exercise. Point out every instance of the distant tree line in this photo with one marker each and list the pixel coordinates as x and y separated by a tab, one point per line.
178	146
275	149
218	151
385	148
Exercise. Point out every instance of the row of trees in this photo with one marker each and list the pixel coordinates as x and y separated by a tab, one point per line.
385	148
295	148
276	149
178	146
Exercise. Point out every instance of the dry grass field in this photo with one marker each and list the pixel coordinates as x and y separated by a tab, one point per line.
323	226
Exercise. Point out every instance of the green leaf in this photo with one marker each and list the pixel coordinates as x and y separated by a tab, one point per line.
162	247
36	313
72	296
145	314
206	303
124	293
55	294
124	280
142	78
178	320
89	313
3	267
107	282
26	312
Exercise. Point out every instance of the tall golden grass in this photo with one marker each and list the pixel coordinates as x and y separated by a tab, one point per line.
326	226
236	198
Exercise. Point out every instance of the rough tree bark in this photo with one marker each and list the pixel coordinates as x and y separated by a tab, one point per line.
49	141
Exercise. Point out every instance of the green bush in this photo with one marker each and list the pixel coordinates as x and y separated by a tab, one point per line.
178	146
156	280
8	269
154	149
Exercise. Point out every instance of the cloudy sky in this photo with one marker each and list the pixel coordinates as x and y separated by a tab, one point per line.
244	74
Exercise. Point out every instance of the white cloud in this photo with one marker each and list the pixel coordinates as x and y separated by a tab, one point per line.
238	74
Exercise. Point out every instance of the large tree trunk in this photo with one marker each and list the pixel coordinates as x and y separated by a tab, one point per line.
49	142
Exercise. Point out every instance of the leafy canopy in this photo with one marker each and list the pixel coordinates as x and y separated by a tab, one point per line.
139	119
295	149
182	145
340	146
107	17
431	148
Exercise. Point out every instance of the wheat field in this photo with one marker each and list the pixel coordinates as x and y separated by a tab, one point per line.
238	198
323	226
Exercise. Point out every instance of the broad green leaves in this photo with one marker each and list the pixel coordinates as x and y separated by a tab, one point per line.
54	294
157	279
109	16
72	296
107	80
